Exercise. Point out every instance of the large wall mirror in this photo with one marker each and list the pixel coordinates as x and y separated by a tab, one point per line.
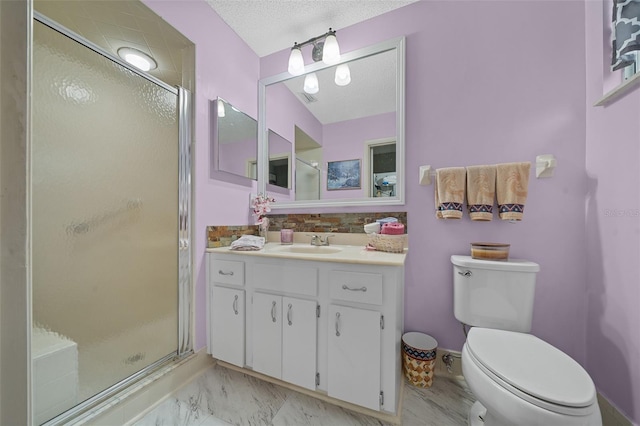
347	140
235	140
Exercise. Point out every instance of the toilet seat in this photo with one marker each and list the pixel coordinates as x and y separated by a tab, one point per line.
533	370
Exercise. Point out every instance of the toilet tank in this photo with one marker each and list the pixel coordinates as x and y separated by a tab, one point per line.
494	294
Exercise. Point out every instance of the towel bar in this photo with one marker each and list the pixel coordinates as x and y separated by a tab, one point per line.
545	165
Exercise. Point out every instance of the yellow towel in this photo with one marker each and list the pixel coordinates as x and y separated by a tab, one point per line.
512	183
449	192
481	190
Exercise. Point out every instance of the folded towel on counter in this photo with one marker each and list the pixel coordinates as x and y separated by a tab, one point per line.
247	243
396	228
512	187
481	191
449	192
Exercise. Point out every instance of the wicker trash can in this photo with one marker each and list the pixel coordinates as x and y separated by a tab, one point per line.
419	358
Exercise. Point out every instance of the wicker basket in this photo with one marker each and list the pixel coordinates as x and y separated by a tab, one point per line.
389	243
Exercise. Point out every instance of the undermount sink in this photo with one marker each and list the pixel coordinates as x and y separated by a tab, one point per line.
309	249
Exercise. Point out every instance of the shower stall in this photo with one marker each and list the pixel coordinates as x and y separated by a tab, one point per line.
307	180
110	201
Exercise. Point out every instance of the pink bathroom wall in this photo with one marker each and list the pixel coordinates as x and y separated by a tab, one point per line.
285	111
228	68
613	225
345	140
234	156
506	85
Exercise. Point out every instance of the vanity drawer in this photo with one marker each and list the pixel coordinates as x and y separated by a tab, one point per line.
290	279
360	287
226	271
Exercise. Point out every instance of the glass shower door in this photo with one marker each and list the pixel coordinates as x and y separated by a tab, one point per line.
104	170
307	181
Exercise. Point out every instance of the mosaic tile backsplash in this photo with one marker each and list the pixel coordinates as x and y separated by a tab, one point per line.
222	236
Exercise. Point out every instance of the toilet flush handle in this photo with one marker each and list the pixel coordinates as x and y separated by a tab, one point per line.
466	273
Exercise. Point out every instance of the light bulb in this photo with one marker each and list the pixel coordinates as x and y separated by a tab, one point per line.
343	75
296	62
221	111
311	83
331	50
138	59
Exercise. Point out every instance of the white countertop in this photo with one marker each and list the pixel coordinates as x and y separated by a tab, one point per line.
347	254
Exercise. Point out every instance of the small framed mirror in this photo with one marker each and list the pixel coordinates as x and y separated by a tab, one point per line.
360	122
235	141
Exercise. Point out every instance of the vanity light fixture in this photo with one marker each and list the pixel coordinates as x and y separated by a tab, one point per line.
325	49
311	83
343	75
137	58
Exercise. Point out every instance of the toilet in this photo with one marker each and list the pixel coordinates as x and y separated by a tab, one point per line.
517	378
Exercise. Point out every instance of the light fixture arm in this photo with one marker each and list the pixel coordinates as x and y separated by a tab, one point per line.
314	40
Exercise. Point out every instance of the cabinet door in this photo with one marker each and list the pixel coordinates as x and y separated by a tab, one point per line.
227	325
354	356
267	334
299	339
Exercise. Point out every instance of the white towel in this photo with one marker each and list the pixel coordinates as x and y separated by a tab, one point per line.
247	243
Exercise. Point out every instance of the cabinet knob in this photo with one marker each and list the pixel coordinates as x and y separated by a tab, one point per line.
289	315
273	311
221	272
235	305
338	324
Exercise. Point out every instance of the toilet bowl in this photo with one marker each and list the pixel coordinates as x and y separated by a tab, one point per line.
519	379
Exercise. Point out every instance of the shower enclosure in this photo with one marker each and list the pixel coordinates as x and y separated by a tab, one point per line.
110	223
307	181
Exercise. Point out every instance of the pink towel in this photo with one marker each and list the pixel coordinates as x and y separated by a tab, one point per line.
394	228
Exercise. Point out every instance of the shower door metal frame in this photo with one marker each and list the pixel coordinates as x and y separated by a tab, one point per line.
184	346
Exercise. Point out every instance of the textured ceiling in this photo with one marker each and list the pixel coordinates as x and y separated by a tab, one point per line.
115	24
268	26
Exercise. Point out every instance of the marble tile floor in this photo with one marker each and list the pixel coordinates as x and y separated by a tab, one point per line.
222	397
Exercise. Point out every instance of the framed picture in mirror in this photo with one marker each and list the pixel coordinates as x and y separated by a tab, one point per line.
343	174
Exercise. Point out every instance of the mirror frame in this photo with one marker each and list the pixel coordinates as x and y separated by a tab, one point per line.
396	44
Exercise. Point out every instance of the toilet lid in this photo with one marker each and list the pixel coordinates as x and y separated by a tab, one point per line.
533	366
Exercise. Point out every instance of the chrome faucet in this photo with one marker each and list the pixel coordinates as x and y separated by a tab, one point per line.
317	240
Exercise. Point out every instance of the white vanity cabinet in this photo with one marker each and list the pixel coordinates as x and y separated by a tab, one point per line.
354	353
328	323
284	338
226	310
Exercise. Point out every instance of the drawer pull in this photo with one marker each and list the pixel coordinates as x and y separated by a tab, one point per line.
273	311
235	304
289	315
346	287
221	272
338	324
